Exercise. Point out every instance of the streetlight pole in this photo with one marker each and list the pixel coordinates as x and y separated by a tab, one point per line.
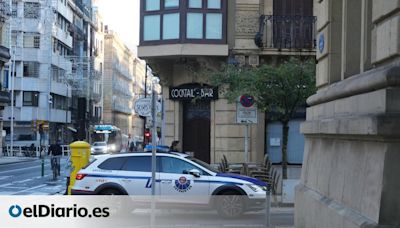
154	138
145	96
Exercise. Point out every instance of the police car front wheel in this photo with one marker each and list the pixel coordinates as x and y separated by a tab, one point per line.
230	204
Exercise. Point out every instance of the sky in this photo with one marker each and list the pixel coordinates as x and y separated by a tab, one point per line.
122	16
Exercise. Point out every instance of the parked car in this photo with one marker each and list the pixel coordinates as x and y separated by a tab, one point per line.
99	148
178	175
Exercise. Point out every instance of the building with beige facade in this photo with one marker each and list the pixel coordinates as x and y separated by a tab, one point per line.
350	177
139	92
118	83
180	39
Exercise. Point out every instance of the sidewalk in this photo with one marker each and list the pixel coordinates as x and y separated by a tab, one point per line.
12	160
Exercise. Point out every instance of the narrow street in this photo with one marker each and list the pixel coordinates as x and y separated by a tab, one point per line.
25	178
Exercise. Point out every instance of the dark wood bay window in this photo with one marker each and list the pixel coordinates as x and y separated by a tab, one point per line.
183	21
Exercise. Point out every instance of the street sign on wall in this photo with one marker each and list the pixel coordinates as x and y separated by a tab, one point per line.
143	107
246	110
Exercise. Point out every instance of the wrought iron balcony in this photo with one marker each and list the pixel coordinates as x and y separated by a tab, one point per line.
286	32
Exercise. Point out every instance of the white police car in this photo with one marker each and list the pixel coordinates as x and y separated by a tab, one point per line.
177	175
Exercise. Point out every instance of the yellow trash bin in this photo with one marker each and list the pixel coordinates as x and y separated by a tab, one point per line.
80	154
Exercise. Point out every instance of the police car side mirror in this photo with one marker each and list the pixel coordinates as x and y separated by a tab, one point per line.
195	172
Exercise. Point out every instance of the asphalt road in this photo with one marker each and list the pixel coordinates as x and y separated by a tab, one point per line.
25	178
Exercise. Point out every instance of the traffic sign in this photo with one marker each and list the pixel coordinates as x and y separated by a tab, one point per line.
247	101
143	107
246	110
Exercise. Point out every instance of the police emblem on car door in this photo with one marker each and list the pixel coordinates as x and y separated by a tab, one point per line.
182	179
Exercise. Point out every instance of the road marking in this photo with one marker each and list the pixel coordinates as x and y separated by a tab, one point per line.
22	181
28	189
19	187
4	185
21	169
5	177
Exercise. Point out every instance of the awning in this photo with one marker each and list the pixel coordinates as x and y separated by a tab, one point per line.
72	129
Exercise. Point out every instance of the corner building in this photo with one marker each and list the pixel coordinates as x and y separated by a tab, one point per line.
180	38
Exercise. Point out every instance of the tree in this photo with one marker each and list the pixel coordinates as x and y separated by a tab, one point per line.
278	90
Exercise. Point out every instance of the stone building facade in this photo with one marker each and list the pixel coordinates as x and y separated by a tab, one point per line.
181	38
350	175
118	83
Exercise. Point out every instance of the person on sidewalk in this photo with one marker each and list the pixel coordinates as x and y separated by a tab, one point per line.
55	151
174	146
68	170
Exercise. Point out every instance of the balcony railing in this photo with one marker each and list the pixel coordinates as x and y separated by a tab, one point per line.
123	71
286	32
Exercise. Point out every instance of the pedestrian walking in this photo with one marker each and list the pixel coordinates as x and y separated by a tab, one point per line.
174	146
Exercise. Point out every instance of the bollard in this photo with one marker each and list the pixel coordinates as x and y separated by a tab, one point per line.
42	166
268	207
80	154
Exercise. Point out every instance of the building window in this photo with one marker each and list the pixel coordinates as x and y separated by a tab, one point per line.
192	21
14	36
195	3
214	26
31	98
194	26
152	5
171	4
151	27
171	26
31	40
31	69
214	4
14	9
59	102
31	10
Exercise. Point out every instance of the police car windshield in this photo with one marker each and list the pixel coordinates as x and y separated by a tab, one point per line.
204	164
